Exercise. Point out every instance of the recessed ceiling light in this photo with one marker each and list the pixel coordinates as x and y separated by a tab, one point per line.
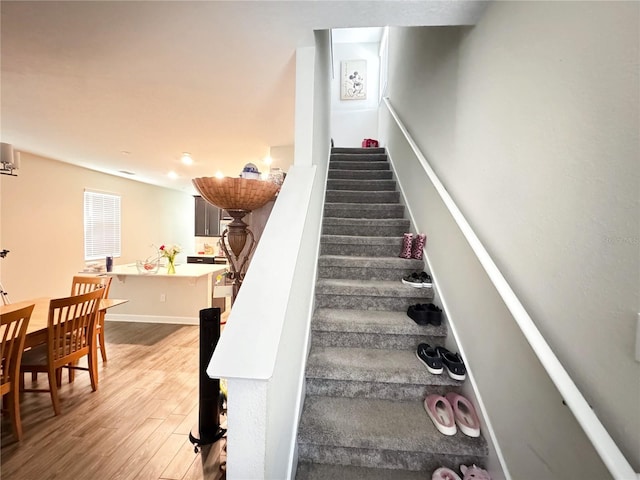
172	175
186	158
126	172
125	152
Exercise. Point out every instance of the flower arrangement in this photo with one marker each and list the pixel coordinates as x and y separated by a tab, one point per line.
170	253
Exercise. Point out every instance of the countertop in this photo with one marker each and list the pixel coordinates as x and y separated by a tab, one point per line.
188	270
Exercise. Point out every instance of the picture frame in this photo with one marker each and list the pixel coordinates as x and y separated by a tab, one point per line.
353	80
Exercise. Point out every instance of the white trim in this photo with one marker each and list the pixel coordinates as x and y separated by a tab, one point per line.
609	452
125	317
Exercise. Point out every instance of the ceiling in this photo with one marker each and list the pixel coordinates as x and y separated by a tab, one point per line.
130	85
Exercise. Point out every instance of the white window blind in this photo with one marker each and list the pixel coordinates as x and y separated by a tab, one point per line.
101	225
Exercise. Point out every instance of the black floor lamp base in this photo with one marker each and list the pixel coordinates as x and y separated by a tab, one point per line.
208	430
200	440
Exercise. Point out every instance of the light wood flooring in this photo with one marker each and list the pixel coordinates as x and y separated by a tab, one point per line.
135	426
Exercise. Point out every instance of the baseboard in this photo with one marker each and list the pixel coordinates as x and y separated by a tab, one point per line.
115	317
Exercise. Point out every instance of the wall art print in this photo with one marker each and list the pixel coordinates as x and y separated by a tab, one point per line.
354	80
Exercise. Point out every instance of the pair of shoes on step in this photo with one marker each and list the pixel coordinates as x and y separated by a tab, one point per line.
425	314
473	472
436	359
413	246
418	280
450	410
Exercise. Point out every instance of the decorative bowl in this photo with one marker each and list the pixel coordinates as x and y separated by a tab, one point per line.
231	193
148	267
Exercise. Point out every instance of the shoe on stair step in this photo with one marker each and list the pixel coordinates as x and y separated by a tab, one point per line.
417	246
441	414
444	473
430	358
434	313
407	240
413	279
453	363
465	414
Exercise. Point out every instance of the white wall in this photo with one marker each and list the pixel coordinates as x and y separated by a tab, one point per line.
354	120
42	223
531	121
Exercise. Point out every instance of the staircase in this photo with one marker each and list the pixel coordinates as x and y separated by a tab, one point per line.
363	416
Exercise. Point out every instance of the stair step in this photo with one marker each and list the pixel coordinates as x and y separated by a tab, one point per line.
359	196
366	185
381	227
380	433
334	327
372	321
358	165
372	210
358	157
358	150
372	373
369	294
360	174
360	267
370	340
360	246
319	471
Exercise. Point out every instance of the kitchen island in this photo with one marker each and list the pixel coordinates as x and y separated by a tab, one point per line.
162	298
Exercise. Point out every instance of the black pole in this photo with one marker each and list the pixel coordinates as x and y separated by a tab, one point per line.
208	429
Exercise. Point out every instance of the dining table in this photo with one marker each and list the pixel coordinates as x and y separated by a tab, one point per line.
39	321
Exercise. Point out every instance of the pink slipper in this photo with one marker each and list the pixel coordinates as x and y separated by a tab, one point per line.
444	473
441	414
465	415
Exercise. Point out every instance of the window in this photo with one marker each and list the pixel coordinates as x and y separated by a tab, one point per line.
101	225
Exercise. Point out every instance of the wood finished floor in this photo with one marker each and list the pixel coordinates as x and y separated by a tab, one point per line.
135	426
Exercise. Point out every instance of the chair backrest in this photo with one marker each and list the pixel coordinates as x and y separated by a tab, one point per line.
72	323
13	329
83	284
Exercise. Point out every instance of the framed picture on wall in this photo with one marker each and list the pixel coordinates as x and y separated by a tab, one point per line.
353	80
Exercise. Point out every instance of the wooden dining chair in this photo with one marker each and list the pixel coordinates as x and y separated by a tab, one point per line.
82	284
70	336
13	329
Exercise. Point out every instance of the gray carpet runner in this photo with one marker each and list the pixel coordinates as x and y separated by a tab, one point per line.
363	416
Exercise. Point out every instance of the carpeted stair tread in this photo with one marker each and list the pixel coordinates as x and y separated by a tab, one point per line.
385	227
358	165
378	222
358	157
321	471
401	426
364	210
362	196
371	288
361	265
361	185
370	262
373	207
358	150
382	366
372	321
360	240
359	174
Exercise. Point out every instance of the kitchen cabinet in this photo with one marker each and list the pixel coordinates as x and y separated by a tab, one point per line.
207	259
207	218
